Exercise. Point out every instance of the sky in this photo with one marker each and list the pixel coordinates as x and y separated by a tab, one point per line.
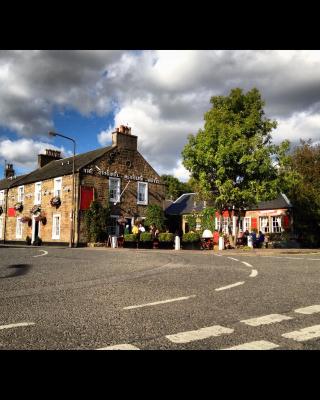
162	95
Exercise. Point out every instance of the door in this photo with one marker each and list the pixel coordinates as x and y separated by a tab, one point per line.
35	229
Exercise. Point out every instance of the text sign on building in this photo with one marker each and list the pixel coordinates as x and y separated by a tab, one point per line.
98	171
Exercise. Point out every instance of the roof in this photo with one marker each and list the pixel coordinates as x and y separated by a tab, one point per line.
61	167
6	183
187	203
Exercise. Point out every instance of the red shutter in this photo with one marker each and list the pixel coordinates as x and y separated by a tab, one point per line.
86	197
11	212
286	221
254	223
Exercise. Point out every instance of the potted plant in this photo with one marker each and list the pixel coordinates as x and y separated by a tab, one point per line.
166	240
35	209
145	240
55	201
1	210
18	206
130	241
25	219
191	241
28	240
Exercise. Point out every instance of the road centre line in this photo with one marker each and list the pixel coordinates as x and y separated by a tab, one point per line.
311	332
308	310
16	325
230	286
124	346
200	334
231	258
247	264
265	320
40	255
257	345
159	302
254	273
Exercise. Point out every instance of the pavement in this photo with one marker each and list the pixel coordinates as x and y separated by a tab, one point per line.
102	298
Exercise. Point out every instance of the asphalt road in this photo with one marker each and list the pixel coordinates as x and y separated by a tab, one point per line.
53	298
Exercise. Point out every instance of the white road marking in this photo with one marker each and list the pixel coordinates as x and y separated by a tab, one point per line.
159	302
247	264
314	259
265	320
40	255
254	273
203	333
124	346
218	255
229	286
294	258
258	345
308	310
231	258
16	325
311	332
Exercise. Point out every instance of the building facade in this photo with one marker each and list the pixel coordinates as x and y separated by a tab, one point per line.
40	204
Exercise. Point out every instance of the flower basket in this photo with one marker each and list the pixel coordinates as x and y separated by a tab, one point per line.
1	210
55	201
18	207
25	219
35	209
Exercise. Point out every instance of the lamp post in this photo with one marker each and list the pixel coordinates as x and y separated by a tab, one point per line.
73	182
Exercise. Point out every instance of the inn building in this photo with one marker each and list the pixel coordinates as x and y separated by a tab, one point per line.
39	204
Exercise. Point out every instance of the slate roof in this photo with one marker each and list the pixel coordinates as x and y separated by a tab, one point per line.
187	203
5	183
60	167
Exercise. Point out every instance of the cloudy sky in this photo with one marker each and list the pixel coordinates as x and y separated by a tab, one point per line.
162	95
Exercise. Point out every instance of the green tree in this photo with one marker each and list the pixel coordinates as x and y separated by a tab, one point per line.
155	216
96	221
175	188
208	219
232	157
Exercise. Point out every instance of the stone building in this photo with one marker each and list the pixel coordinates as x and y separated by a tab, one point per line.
40	203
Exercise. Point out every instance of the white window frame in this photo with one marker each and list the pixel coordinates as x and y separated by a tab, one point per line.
20	194
246	224
54	226
117	198
56	188
146	192
1	227
1	197
225	224
273	226
37	193
217	223
264	228
19	231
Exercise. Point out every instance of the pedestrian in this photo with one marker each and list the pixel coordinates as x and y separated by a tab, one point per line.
141	228
135	229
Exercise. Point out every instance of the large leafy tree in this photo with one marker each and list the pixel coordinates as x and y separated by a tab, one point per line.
174	187
232	157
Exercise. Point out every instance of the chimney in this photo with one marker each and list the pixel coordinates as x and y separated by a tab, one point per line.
123	139
51	155
9	172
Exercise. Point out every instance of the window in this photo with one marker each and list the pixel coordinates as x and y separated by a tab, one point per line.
247	223
19	229
218	223
114	189
1	227
20	194
37	193
1	197
142	193
264	224
57	187
276	224
225	225
56	226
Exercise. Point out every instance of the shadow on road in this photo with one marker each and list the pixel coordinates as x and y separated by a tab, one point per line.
20	269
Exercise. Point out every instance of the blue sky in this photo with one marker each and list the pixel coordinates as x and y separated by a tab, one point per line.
162	95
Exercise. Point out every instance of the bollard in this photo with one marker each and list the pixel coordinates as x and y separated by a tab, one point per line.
177	243
250	241
221	243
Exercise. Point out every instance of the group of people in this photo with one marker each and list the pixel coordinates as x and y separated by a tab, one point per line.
138	228
256	240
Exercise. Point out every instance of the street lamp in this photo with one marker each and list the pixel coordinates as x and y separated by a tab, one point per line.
73	190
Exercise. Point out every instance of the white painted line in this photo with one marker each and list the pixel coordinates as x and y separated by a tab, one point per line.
294	258
254	273
229	286
258	345
265	320
159	302
16	325
308	310
314	259
231	258
308	333
203	333
247	264
124	346
40	255
218	255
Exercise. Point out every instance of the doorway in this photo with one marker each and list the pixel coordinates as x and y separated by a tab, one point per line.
35	229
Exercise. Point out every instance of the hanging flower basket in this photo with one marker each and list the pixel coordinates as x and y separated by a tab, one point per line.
25	219
1	210
35	209
18	207
55	201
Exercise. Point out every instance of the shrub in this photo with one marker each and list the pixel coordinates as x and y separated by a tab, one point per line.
28	240
208	219
274	237
191	237
130	237
96	222
155	216
146	237
166	237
